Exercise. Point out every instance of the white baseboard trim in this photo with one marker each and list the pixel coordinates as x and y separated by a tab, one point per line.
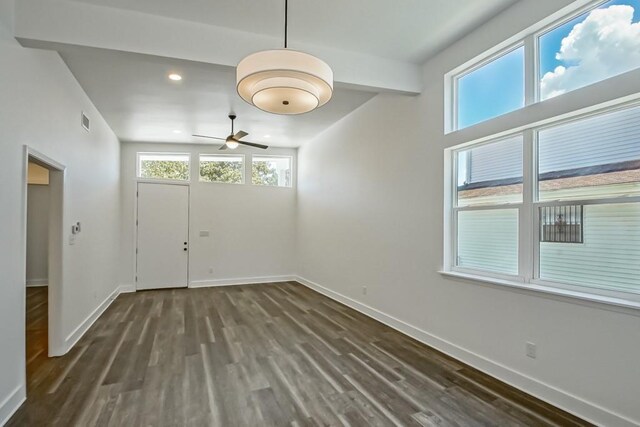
35	283
126	289
566	401
12	403
240	281
73	338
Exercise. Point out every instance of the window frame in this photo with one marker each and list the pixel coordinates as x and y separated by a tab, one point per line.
274	156
530	39
244	168
455	209
528	276
163	153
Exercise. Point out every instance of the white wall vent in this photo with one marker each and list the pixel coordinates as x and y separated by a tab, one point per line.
85	122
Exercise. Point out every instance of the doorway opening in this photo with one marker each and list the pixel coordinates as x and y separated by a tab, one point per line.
44	192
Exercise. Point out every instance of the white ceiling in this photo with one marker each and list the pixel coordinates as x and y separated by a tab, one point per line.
141	104
121	52
407	30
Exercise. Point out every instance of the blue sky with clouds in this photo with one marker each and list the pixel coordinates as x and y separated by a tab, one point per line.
598	44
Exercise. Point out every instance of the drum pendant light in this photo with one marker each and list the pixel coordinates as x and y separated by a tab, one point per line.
284	81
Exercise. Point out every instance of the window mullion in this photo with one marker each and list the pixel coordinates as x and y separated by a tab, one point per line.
535	210
450	219
530	70
526	246
248	169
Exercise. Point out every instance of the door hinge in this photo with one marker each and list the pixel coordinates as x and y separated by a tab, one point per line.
136	222
137	193
136	250
136	278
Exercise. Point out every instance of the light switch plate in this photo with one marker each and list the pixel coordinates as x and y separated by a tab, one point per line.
531	350
204	233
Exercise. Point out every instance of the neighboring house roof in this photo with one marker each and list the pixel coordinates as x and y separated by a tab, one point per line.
615	173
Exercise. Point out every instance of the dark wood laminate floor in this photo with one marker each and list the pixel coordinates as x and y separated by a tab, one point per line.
277	354
37	331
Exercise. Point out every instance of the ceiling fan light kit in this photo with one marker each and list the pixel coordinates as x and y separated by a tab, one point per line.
231	143
234	140
284	81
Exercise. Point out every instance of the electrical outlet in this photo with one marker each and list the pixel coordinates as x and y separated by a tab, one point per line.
532	350
364	290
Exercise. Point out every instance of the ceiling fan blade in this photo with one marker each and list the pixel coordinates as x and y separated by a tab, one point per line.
224	147
241	134
210	137
252	144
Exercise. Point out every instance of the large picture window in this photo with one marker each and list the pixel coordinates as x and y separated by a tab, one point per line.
570	220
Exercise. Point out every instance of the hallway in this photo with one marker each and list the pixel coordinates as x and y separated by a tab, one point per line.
37	334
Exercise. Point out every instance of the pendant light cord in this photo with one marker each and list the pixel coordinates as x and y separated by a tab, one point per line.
286	21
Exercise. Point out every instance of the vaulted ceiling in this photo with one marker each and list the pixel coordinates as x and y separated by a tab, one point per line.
121	52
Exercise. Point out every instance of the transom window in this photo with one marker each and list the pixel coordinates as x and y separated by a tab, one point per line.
597	44
591	45
222	168
266	170
165	166
571	221
498	86
274	171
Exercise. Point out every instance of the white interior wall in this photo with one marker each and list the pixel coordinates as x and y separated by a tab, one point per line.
370	213
37	234
40	105
251	228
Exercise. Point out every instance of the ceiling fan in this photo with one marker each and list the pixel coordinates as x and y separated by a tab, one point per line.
233	140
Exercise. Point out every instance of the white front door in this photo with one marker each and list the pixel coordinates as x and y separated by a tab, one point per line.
163	236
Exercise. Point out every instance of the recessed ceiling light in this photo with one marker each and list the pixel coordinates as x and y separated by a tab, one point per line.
267	136
177	131
175	77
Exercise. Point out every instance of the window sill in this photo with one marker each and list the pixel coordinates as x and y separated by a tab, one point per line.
604	302
200	181
163	181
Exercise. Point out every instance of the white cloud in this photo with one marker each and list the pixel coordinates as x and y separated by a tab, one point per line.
606	43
